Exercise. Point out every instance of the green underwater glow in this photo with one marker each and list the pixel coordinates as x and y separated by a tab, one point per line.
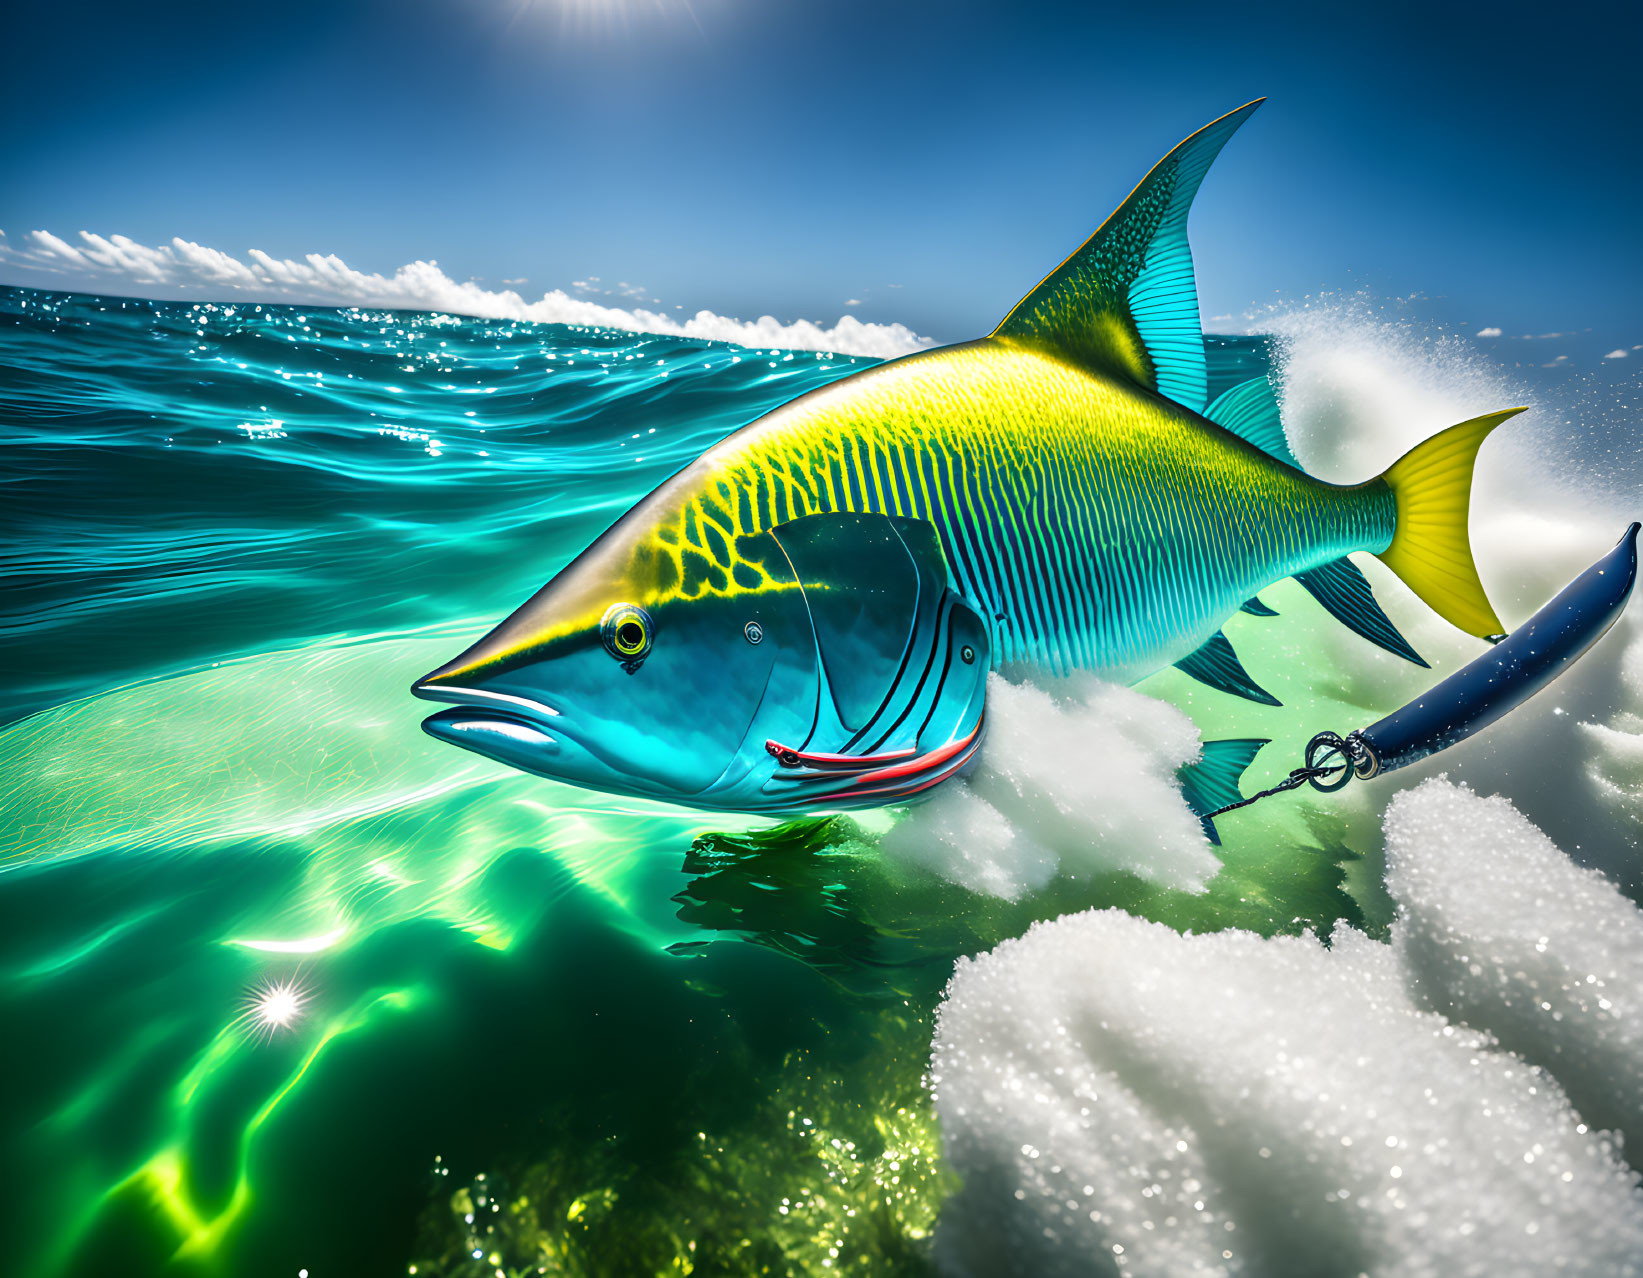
651	1040
410	878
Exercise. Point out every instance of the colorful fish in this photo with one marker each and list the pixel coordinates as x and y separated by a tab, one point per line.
805	616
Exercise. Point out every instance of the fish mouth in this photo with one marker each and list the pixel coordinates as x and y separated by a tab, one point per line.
529	735
483	701
504	737
497	724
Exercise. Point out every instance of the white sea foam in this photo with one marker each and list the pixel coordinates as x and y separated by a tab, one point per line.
1499	929
1077	777
326	279
1120	1097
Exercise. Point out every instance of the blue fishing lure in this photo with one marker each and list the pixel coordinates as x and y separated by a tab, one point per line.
1465	703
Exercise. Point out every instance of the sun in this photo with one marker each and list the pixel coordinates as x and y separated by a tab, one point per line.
601	17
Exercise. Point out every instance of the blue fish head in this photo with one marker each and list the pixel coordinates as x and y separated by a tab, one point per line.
818	668
617	677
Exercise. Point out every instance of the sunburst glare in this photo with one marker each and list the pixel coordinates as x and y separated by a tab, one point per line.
274	1006
600	17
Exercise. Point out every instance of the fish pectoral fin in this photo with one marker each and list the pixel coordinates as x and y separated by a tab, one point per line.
927	729
902	659
1216	664
1250	411
1212	782
1126	302
1255	608
1344	592
871	586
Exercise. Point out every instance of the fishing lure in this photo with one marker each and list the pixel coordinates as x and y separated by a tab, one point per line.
804	617
1479	694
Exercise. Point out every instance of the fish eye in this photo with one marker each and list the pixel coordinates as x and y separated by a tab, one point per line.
627	632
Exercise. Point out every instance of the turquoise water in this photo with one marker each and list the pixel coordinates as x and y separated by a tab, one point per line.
525	1028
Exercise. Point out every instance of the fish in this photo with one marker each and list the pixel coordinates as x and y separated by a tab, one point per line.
804	618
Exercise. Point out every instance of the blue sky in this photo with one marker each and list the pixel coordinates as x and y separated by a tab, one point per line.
927	161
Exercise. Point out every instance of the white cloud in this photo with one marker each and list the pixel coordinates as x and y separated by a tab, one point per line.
854	301
48	242
1617	353
1489	332
422	285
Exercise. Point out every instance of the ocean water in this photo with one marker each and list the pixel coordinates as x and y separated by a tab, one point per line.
523	1028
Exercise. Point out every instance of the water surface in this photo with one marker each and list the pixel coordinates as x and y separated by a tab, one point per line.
529	1029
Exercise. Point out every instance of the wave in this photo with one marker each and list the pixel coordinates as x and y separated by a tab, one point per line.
180	475
326	280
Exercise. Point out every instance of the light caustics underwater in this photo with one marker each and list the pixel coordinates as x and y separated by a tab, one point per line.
290	985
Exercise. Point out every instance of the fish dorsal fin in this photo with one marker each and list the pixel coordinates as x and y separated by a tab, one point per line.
1125	303
1250	411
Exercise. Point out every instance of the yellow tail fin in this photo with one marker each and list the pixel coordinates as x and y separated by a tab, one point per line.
1430	550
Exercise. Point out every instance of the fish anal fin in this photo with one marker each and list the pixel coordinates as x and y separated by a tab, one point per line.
1212	783
1216	664
1344	592
1255	608
1125	303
